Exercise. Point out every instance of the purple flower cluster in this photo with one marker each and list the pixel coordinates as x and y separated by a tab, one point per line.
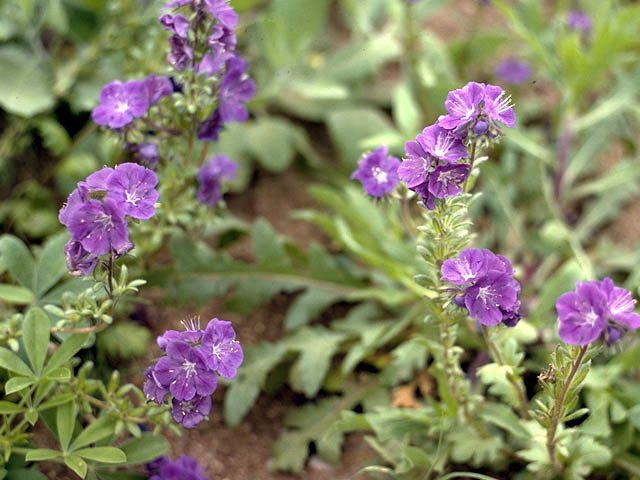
435	166
378	172
189	369
513	71
485	286
184	468
121	102
595	308
219	168
95	213
581	21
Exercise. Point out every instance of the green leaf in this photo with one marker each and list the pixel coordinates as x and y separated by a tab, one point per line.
101	428
103	454
405	110
307	306
16	294
16	384
58	374
40	454
10	361
35	335
65	423
125	340
504	418
145	448
25	474
271	141
634	416
57	400
27	90
17	258
65	351
9	407
76	464
54	136
290	452
51	264
244	390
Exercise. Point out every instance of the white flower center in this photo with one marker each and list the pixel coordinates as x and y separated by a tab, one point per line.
379	174
189	368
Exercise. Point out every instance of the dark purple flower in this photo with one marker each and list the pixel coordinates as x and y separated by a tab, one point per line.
223	12
157	87
448	180
190	412
428	198
176	23
513	71
97	181
184	372
132	186
222	36
99	226
490	296
378	172
185	468
442	144
413	169
79	261
79	196
221	350
210	128
147	153
468	267
153	391
580	21
209	65
211	176
236	88
592	308
180	52
120	103
498	107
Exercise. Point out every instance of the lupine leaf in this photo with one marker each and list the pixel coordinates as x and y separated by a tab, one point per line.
36	337
18	260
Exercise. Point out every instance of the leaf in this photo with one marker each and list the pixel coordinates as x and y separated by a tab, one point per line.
35	336
54	136
271	141
11	362
51	264
65	423
307	306
145	448
103	454
244	390
290	452
25	474
76	464
17	258
405	110
39	454
99	429
504	418
27	90
65	351
317	346
16	294
469	447
125	340
16	384
9	407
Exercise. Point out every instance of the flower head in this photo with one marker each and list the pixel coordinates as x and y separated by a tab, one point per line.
223	12
191	412
220	348
593	308
79	261
211	127
185	468
147	153
180	52
414	168
211	176
100	227
513	71
152	389
132	186
581	21
176	23
120	103
157	87
442	144
448	180
378	172
236	89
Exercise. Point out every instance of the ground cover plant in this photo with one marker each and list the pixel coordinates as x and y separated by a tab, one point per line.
451	294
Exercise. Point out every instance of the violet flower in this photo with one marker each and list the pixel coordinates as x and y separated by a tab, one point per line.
414	168
184	468
191	412
99	226
448	180
220	348
378	172
581	21
132	186
236	89
157	87
223	12
442	144
79	261
120	103
152	389
219	168
211	127
178	24
513	71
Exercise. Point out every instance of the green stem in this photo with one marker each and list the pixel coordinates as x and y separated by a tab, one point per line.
472	161
558	409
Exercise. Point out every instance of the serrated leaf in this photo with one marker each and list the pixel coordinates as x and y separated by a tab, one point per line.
10	361
16	384
51	264
145	448
18	260
16	294
102	454
35	335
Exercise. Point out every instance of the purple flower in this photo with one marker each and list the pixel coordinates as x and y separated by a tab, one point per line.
132	186
178	24
222	12
79	261
153	391
442	144
184	372
185	468
222	36
180	52
428	198
147	153
191	412
99	226
413	169
192	334
378	172
447	180
485	286
120	103
513	71
236	88
79	196
477	102
157	87
592	308
580	21
221	349
210	177
209	65
210	128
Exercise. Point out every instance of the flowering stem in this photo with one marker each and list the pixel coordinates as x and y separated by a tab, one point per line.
203	153
522	397
558	409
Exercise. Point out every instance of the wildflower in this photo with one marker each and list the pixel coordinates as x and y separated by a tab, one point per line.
414	169
513	71
132	186
100	227
157	87
223	12
378	172
593	308
210	177
178	24
185	468
581	21
210	128
79	261
180	52
442	144
192	334
221	349
147	153
191	412
120	103
485	286
153	391
447	180
236	88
